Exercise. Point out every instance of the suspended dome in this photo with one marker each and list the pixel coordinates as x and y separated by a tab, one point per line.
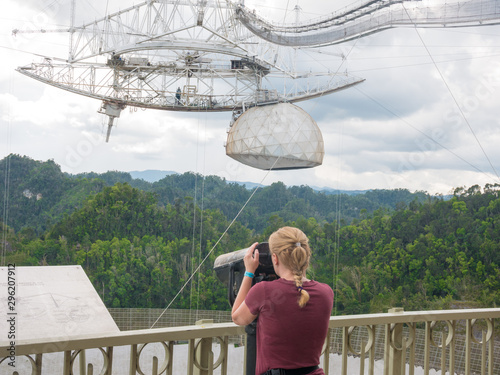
279	136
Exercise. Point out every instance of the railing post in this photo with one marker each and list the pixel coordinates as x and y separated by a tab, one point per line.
491	349
443	351
345	349
371	363
468	345
403	356
170	366
224	349
483	353
38	362
387	346
362	357
109	353
67	362
411	363
203	352
133	360
427	348
82	361
191	355
396	338
326	354
452	347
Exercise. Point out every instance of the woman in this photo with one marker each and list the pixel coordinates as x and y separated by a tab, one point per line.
293	311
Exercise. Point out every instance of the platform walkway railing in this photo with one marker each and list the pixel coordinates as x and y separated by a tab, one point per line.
456	336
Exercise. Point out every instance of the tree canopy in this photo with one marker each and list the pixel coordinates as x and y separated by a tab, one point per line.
141	242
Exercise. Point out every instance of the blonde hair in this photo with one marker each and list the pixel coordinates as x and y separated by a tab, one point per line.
291	246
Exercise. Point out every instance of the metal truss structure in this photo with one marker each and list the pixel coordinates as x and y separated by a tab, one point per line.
216	55
371	16
180	55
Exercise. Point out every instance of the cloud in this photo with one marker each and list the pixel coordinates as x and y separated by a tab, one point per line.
426	118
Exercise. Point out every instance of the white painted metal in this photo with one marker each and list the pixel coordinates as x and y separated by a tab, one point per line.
217	55
371	16
141	55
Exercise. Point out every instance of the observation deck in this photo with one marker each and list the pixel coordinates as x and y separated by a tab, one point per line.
394	343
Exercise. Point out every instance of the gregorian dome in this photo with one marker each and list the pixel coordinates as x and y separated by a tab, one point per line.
279	136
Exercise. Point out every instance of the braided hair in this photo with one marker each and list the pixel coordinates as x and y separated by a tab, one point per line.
291	246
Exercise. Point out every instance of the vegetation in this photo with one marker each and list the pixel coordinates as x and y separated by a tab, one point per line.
140	242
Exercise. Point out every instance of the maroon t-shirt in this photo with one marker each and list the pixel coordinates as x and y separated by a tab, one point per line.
289	336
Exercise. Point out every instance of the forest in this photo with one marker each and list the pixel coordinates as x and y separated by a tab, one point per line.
140	242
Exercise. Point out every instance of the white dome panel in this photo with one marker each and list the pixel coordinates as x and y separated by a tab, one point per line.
276	136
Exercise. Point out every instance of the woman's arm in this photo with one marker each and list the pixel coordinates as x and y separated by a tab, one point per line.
240	313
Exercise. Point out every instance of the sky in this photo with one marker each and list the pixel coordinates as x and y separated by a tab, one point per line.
425	119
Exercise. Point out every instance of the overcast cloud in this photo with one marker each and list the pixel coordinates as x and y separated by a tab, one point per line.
401	128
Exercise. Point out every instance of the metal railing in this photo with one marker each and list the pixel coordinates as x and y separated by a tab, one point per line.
390	344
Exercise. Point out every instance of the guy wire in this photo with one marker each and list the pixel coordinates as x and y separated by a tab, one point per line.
336	254
420	131
452	95
5	216
201	213
213	247
195	201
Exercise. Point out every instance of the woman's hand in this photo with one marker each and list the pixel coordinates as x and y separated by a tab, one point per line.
251	258
240	313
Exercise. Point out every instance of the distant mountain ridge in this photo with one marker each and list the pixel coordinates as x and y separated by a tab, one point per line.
151	175
40	195
155	175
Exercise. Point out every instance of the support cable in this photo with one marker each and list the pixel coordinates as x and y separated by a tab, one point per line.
420	131
195	201
5	216
336	254
201	214
6	182
452	95
215	245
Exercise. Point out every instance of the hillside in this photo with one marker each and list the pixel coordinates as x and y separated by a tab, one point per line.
139	247
40	195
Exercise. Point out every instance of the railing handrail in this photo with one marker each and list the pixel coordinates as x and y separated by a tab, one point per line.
413	317
181	333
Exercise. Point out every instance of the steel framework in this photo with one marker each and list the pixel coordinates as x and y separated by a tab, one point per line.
181	56
217	55
371	16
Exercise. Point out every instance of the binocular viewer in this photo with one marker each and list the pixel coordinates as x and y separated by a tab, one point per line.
230	269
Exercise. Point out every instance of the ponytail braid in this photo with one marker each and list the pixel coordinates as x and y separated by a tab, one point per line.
292	247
